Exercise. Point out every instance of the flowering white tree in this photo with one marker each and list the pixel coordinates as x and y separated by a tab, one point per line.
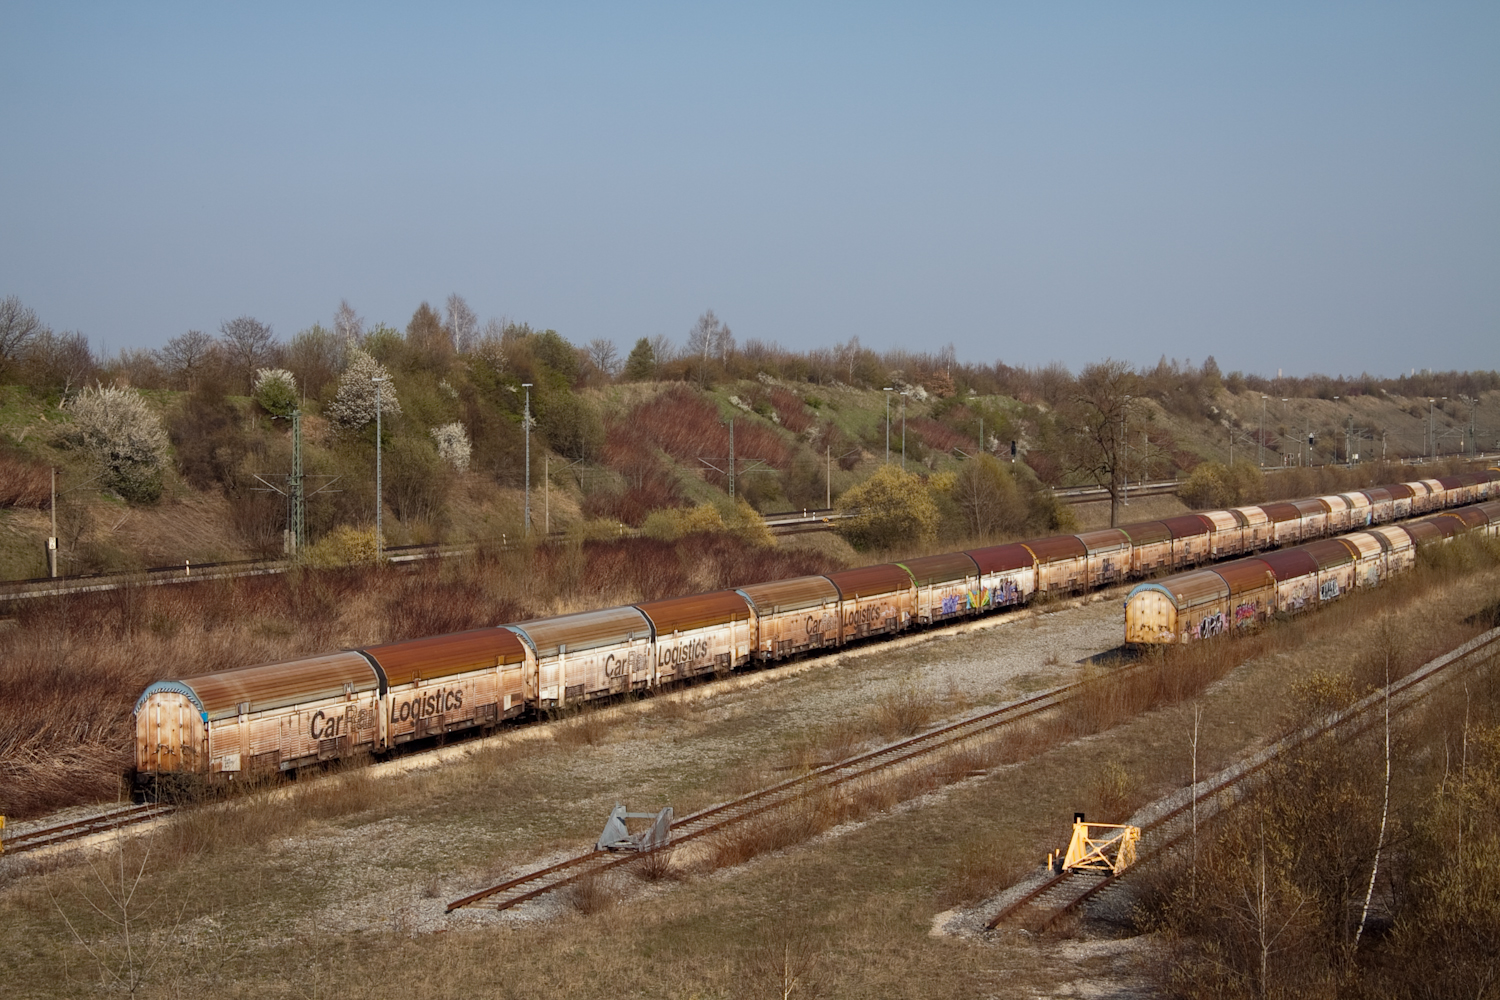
354	404
453	445
276	391
124	436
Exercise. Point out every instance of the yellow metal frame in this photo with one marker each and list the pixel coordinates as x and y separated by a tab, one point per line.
1101	847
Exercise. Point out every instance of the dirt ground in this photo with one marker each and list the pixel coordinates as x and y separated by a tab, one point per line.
338	886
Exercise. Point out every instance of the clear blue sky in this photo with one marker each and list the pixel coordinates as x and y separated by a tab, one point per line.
1314	187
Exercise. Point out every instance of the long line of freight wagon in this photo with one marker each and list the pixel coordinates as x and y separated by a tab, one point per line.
283	716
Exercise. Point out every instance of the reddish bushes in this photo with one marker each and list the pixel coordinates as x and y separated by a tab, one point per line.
23	483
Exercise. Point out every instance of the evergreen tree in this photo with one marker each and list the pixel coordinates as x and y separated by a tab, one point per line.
641	365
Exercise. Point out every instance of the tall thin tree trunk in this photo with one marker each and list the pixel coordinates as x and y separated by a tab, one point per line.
1364	915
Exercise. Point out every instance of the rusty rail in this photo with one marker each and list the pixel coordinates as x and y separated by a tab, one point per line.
784	793
1404	694
64	832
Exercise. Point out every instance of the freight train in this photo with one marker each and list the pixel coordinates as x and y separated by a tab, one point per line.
1242	593
284	716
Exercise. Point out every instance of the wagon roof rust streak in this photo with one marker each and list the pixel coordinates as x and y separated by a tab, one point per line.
445	655
1331	552
676	614
883	579
1245	575
1185	525
999	558
274	685
944	568
1056	548
1104	540
1289	563
585	630
796	594
1147	532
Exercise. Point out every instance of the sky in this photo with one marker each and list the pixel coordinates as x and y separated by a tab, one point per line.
1298	187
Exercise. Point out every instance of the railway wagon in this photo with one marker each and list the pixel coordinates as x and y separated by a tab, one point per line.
699	634
1256	528
1382	504
447	683
1108	556
274	717
793	616
591	654
1007	573
1061	563
874	600
1192	538
947	587
1228	537
1180	608
1150	546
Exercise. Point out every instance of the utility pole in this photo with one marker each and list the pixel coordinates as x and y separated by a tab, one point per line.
379	496
828	460
52	539
731	458
527	419
547	494
887	390
981	435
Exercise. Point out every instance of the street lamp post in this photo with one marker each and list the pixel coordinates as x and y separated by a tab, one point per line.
1261	454
527	419
904	394
379	380
888	390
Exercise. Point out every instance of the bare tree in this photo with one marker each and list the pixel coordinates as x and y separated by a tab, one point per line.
250	345
348	324
462	325
18	325
1096	423
662	349
59	360
602	353
185	357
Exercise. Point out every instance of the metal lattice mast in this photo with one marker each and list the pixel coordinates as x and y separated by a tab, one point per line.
298	495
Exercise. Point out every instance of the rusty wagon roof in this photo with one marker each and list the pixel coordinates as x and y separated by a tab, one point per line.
866	580
1393	537
946	568
1356	500
1473	516
273	685
1055	548
1377	494
1146	532
1185	525
1281	511
999	558
1405	491
1103	539
1289	563
1335	502
1244	575
1450	524
1312	506
679	614
1366	543
1187	589
1424	532
1223	520
585	630
1252	517
1330	552
791	595
444	655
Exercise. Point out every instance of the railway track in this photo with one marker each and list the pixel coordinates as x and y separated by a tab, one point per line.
1168	823
62	833
923	748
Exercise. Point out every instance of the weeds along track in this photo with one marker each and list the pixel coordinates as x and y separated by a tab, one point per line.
1167	823
50	836
830	779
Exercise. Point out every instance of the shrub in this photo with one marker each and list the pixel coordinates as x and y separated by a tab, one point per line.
343	546
890	507
276	391
354	404
453	446
122	434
